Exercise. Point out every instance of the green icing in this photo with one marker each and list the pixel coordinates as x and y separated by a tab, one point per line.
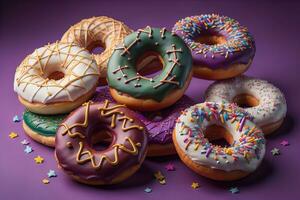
122	74
45	125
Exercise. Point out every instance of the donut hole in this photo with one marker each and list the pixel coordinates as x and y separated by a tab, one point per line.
210	39
96	48
56	75
246	100
100	140
218	135
149	64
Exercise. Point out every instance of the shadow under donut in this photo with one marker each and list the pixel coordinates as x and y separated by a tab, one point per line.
285	129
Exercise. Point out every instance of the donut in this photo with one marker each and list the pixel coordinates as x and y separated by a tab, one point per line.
264	101
78	134
42	128
56	78
159	124
221	47
201	124
143	93
96	32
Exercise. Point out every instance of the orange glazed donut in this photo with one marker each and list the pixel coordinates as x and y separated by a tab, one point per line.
202	123
56	78
98	32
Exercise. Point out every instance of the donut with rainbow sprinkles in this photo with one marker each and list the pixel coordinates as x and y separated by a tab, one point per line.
203	123
221	47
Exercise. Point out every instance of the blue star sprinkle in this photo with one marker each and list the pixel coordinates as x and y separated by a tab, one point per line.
234	190
51	173
16	119
28	149
148	190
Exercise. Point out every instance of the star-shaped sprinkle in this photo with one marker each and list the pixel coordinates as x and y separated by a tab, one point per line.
160	177
275	152
25	142
51	173
285	143
195	185
16	119
148	190
45	181
13	135
234	190
170	167
28	149
39	160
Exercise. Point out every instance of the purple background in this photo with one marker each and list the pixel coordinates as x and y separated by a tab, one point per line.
275	26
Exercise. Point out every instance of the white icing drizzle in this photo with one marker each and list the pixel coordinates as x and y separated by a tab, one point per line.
80	70
272	104
245	154
98	30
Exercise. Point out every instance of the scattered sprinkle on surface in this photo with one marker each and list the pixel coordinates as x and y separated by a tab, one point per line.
195	185
39	160
45	181
25	142
13	135
148	190
28	149
170	167
285	143
16	119
275	152
51	173
234	190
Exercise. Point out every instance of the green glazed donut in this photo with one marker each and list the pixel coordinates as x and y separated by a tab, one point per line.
42	128
176	57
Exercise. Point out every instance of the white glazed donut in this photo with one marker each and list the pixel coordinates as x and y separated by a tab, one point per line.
271	104
56	78
247	143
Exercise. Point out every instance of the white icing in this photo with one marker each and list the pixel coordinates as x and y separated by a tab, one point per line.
103	30
272	104
218	159
80	70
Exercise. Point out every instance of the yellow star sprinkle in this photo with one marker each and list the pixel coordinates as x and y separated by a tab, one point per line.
195	185
13	135
38	160
158	175
45	181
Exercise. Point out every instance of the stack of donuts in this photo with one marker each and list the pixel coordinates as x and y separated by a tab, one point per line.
104	113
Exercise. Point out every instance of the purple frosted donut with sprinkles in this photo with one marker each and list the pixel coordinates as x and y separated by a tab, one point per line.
221	47
159	124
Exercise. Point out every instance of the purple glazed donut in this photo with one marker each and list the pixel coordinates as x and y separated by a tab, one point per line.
159	124
221	47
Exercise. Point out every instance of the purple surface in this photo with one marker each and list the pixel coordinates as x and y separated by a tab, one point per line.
275	26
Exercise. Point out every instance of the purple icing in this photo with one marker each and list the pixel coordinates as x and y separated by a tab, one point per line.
239	48
159	124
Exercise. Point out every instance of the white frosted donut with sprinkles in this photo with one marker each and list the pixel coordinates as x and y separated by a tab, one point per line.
56	78
264	101
202	123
